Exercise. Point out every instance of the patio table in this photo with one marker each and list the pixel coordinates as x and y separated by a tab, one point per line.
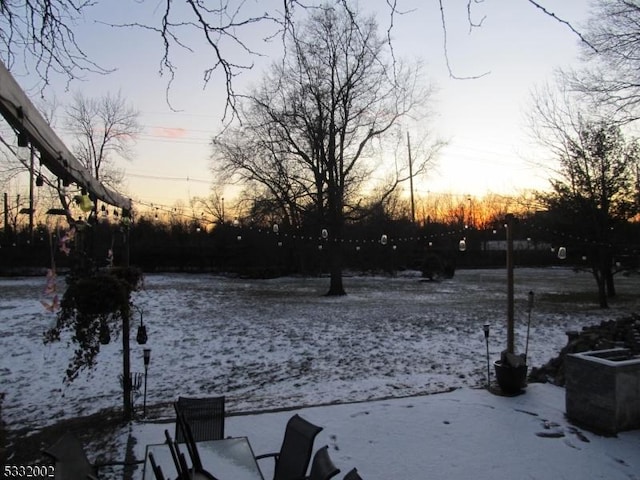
227	459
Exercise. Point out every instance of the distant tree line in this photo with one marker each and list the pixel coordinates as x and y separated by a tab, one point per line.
379	245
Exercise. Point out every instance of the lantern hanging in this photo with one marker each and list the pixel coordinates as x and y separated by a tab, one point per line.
23	151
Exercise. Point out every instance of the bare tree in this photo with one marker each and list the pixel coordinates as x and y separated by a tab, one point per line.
594	187
476	17
103	128
317	117
610	78
39	36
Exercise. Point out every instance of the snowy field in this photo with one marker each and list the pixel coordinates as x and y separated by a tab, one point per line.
281	343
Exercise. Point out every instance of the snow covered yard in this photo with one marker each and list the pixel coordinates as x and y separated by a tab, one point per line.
280	343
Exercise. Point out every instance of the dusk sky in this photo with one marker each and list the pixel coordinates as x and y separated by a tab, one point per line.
489	150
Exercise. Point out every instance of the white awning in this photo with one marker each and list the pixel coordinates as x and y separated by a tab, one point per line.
23	116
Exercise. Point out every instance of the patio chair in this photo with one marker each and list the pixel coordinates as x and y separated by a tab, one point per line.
72	462
179	461
157	471
352	475
205	416
196	472
292	461
322	468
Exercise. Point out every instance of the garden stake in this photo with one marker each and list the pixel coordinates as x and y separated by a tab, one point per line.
529	308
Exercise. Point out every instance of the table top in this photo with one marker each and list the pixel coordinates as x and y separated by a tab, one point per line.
227	459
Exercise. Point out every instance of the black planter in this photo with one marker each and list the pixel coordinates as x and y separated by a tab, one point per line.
510	379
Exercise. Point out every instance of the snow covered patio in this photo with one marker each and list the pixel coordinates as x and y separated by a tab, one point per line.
464	434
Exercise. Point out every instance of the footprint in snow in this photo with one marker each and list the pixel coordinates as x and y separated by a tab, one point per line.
570	444
357	414
579	434
557	433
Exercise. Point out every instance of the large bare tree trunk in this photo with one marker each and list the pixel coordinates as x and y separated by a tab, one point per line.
335	270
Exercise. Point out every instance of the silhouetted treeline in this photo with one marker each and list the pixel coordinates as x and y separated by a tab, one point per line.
260	251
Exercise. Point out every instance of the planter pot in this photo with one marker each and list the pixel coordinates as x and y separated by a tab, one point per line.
510	379
603	390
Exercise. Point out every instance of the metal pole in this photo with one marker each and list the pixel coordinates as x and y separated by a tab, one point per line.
146	357
31	175
144	404
126	368
485	327
530	308
510	320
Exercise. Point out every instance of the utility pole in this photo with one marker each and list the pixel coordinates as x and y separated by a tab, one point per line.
413	205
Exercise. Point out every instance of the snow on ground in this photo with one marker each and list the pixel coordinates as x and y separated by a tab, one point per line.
280	343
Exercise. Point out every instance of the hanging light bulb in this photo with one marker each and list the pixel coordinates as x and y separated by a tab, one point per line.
562	253
276	228
325	233
462	245
23	147
383	239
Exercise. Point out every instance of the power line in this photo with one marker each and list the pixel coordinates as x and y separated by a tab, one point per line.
169	179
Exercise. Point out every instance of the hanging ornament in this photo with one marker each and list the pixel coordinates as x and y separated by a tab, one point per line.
86	205
141	337
562	253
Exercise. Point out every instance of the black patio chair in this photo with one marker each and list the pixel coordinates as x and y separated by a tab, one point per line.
196	472
322	468
205	416
157	471
72	462
179	461
352	475
292	461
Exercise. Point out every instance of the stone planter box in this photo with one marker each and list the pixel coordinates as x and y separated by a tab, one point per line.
603	390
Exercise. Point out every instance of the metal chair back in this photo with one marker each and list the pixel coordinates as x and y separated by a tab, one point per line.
297	448
322	468
71	459
157	471
179	460
205	416
352	475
